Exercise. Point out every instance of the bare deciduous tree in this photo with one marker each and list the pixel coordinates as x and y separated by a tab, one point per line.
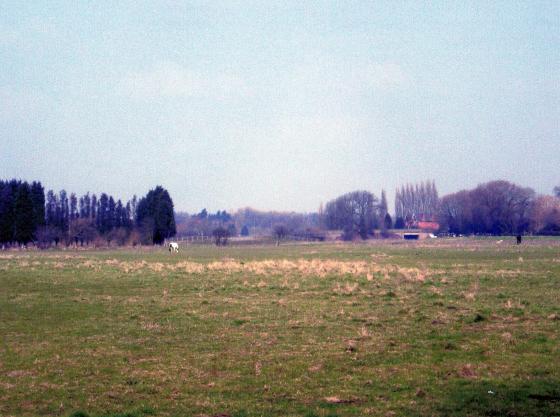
355	213
220	235
545	214
496	207
280	232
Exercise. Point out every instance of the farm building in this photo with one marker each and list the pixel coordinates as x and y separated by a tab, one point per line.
414	234
427	226
420	230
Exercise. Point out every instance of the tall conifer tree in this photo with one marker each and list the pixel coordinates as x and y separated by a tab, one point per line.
156	212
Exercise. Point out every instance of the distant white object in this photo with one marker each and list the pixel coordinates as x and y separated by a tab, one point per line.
173	247
499	241
432	236
491	392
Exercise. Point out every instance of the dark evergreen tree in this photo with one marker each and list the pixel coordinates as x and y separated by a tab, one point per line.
38	197
119	214
388	221
128	216
93	208
156	209
23	214
102	220
64	212
133	207
111	214
51	209
7	214
22	210
86	206
81	208
73	207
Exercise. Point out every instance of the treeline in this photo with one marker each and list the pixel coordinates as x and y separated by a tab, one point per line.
62	218
246	222
258	222
22	210
500	207
204	223
496	207
82	220
493	208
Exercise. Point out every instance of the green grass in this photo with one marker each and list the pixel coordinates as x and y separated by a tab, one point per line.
455	327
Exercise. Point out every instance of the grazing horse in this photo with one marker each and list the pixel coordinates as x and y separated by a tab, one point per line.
173	247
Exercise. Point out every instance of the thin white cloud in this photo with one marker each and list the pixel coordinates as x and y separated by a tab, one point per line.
322	75
8	36
313	78
16	104
172	80
385	75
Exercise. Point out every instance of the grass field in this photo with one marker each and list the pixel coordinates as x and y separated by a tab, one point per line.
447	328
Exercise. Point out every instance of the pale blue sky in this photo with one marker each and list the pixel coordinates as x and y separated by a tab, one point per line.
278	105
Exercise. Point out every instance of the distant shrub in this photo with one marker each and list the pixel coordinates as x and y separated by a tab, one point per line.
478	318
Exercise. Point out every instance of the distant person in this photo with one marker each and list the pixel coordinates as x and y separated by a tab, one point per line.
519	238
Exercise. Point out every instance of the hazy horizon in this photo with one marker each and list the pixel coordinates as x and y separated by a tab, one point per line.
279	106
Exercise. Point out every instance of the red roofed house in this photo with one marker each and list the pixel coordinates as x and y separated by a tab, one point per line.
428	226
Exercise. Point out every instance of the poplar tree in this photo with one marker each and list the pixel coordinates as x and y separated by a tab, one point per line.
51	209
93	208
73	207
7	199
102	214
23	214
111	214
63	219
38	198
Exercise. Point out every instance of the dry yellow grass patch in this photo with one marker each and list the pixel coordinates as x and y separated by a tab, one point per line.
436	290
157	266
189	267
88	264
346	289
507	338
472	293
412	274
367	269
364	332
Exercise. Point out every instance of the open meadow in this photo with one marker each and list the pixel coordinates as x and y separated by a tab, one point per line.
450	327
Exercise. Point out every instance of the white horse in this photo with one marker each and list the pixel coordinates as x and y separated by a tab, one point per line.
173	247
